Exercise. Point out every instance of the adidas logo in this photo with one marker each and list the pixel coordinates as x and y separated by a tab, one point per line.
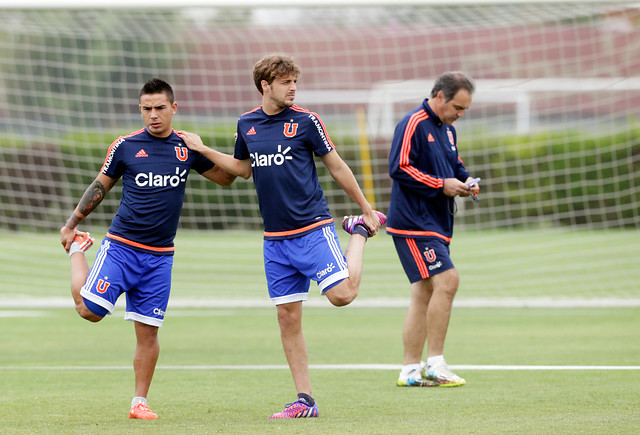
142	153
252	131
430	138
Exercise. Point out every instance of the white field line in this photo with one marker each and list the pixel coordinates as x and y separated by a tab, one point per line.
394	367
544	302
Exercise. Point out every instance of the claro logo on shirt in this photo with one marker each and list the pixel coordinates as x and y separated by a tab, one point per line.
277	159
149	179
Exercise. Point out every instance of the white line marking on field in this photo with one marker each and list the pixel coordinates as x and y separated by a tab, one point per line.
542	302
328	367
22	313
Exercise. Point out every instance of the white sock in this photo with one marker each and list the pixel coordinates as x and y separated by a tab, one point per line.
406	369
75	247
137	400
434	360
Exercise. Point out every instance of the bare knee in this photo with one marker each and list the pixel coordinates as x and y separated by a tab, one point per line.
87	314
447	283
342	294
289	315
451	291
146	335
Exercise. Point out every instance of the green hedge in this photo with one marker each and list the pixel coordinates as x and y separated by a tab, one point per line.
573	178
561	178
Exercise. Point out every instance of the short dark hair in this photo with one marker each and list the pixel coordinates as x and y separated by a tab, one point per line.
272	66
157	86
451	82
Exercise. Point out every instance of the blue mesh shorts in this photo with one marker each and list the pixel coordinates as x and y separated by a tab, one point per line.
291	264
144	277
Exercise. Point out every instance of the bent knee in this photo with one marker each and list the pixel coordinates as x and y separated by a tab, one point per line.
341	295
341	301
87	314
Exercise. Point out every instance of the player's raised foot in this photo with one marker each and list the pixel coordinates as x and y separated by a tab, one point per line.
141	411
414	379
349	223
299	409
84	240
441	375
81	242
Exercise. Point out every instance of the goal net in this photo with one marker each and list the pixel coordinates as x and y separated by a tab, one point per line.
553	130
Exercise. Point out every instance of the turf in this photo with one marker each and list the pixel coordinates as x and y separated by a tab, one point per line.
60	374
492	264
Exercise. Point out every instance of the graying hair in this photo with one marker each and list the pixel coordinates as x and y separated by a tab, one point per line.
451	82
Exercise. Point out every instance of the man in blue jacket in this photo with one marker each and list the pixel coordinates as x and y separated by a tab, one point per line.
427	175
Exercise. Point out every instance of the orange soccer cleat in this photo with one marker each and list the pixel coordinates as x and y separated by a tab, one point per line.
84	240
141	411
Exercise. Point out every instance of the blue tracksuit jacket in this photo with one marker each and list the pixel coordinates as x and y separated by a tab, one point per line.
423	154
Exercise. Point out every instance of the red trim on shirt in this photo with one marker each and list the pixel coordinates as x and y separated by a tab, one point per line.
297	108
418	233
140	245
114	143
405	165
299	230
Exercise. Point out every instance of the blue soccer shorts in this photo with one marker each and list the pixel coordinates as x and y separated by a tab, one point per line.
291	264
144	277
423	258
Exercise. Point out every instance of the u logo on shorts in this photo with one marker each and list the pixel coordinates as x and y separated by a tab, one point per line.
430	255
102	286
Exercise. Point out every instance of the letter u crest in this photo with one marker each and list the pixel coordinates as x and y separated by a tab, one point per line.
182	153
290	129
430	255
102	286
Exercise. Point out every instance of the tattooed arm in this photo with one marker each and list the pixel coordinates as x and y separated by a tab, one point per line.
91	198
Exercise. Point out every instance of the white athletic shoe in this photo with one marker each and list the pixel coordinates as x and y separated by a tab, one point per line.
441	375
414	379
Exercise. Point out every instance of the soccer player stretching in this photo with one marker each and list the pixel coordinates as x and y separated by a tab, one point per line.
276	142
137	254
427	175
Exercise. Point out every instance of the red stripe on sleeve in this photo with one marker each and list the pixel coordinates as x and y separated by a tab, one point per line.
324	129
115	142
404	165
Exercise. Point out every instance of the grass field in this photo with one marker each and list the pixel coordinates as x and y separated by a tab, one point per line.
59	374
222	370
492	264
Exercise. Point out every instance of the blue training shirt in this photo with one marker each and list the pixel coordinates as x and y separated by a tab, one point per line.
154	174
423	153
282	148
